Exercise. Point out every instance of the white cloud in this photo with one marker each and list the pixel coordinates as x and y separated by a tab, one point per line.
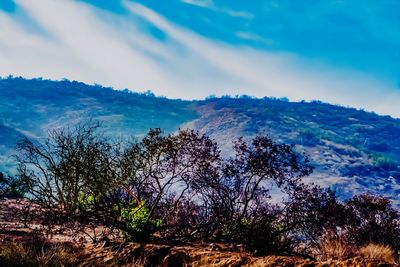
200	3
211	5
254	37
90	45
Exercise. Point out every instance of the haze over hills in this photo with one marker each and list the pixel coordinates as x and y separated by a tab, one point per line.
352	150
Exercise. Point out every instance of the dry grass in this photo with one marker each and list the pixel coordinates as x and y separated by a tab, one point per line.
378	252
333	246
17	254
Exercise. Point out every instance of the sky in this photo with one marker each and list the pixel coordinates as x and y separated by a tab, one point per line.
340	52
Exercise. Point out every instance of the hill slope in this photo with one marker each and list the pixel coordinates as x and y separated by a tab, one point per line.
352	150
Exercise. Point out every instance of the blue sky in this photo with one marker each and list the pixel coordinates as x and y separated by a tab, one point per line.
342	52
359	34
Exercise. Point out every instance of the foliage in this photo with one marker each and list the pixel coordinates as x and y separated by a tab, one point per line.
11	187
85	202
179	187
372	219
67	166
262	235
138	222
31	107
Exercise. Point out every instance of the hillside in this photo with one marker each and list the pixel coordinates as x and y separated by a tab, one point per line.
351	150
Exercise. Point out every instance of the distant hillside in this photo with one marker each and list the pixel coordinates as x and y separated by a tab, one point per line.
37	105
352	150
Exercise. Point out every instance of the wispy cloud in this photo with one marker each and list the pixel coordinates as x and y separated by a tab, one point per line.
211	5
94	46
200	3
254	37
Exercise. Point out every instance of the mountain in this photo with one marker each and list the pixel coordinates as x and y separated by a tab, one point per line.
352	151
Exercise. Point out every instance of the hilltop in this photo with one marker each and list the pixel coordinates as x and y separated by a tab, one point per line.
351	150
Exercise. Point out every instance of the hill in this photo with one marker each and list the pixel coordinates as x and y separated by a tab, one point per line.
352	150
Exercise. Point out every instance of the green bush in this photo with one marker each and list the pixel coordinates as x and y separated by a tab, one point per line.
260	235
137	221
85	201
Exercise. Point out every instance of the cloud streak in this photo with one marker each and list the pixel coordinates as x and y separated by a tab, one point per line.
95	46
209	4
200	3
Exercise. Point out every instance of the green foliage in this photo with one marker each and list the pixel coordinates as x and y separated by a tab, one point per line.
85	201
138	223
259	236
236	231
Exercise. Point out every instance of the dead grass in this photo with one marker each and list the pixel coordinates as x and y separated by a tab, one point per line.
17	254
333	246
378	252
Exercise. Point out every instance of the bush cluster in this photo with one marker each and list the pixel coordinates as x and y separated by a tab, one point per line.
179	187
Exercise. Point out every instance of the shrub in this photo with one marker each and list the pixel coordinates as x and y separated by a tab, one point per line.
137	221
310	213
178	187
83	176
159	171
11	187
262	235
238	194
372	219
70	164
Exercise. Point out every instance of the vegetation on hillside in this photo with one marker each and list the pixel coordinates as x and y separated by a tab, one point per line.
35	106
179	188
352	150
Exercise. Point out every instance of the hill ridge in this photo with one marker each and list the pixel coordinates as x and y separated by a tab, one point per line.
352	150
